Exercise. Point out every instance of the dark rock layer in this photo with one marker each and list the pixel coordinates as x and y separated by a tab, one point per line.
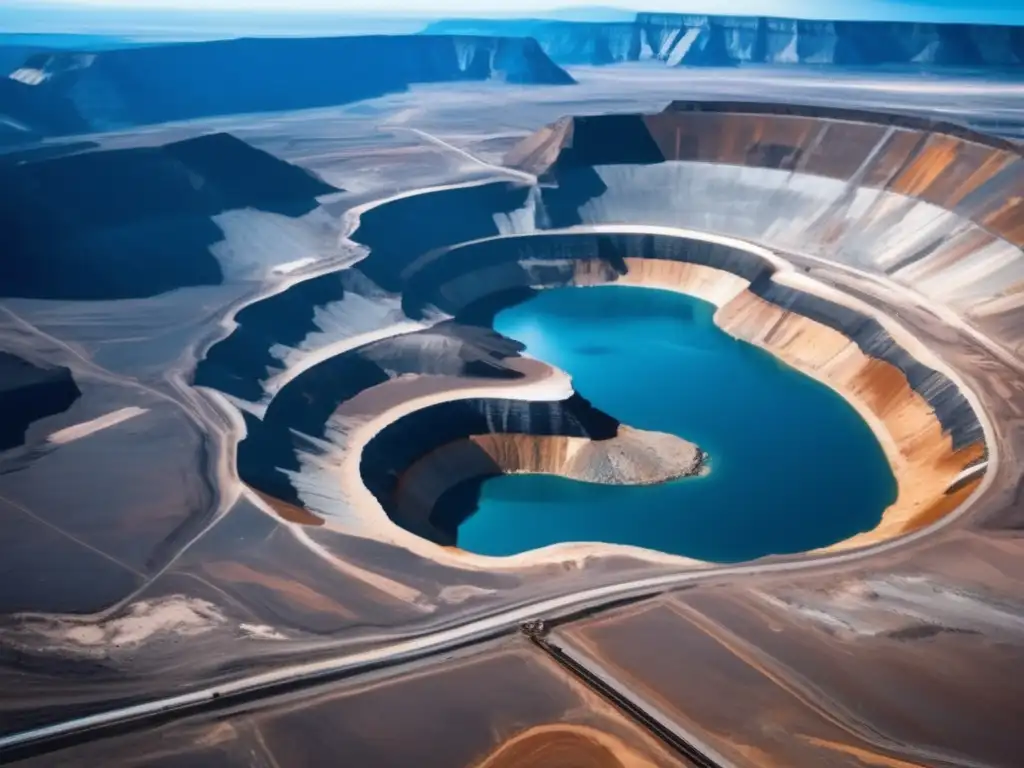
135	222
432	286
395	448
29	393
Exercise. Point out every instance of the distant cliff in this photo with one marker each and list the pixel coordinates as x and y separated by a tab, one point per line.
698	40
123	88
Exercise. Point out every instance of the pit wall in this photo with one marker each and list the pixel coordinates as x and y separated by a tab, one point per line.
416	459
928	429
934	206
923	458
632	457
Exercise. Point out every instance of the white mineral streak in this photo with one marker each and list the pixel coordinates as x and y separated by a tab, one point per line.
176	616
256	243
78	431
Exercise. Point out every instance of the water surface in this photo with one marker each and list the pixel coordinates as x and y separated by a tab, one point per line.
794	467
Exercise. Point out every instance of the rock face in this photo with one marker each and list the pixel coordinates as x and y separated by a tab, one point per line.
399	391
927	427
407	461
136	222
701	40
412	463
632	457
135	86
932	206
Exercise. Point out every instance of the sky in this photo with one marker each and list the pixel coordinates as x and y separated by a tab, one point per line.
922	8
16	14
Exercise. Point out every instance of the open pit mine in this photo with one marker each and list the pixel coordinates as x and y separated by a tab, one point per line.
367	431
483	412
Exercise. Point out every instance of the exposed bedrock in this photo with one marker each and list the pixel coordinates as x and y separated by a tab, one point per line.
116	89
303	418
702	40
410	458
133	223
935	207
414	461
718	201
346	411
927	427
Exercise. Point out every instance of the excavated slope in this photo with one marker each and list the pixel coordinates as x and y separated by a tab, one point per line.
718	201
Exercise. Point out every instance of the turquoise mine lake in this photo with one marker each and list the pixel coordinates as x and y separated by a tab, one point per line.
793	466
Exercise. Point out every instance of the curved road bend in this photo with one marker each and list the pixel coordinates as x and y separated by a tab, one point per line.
58	735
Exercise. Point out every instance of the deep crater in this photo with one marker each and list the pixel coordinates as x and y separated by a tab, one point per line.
781	446
455	389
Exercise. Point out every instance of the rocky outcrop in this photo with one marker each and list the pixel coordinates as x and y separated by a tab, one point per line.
118	89
702	40
567	42
631	457
927	428
350	410
137	222
929	433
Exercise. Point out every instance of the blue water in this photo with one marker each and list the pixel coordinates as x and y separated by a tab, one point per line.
793	465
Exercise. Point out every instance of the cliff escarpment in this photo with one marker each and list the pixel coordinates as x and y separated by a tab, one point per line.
710	40
415	415
117	89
